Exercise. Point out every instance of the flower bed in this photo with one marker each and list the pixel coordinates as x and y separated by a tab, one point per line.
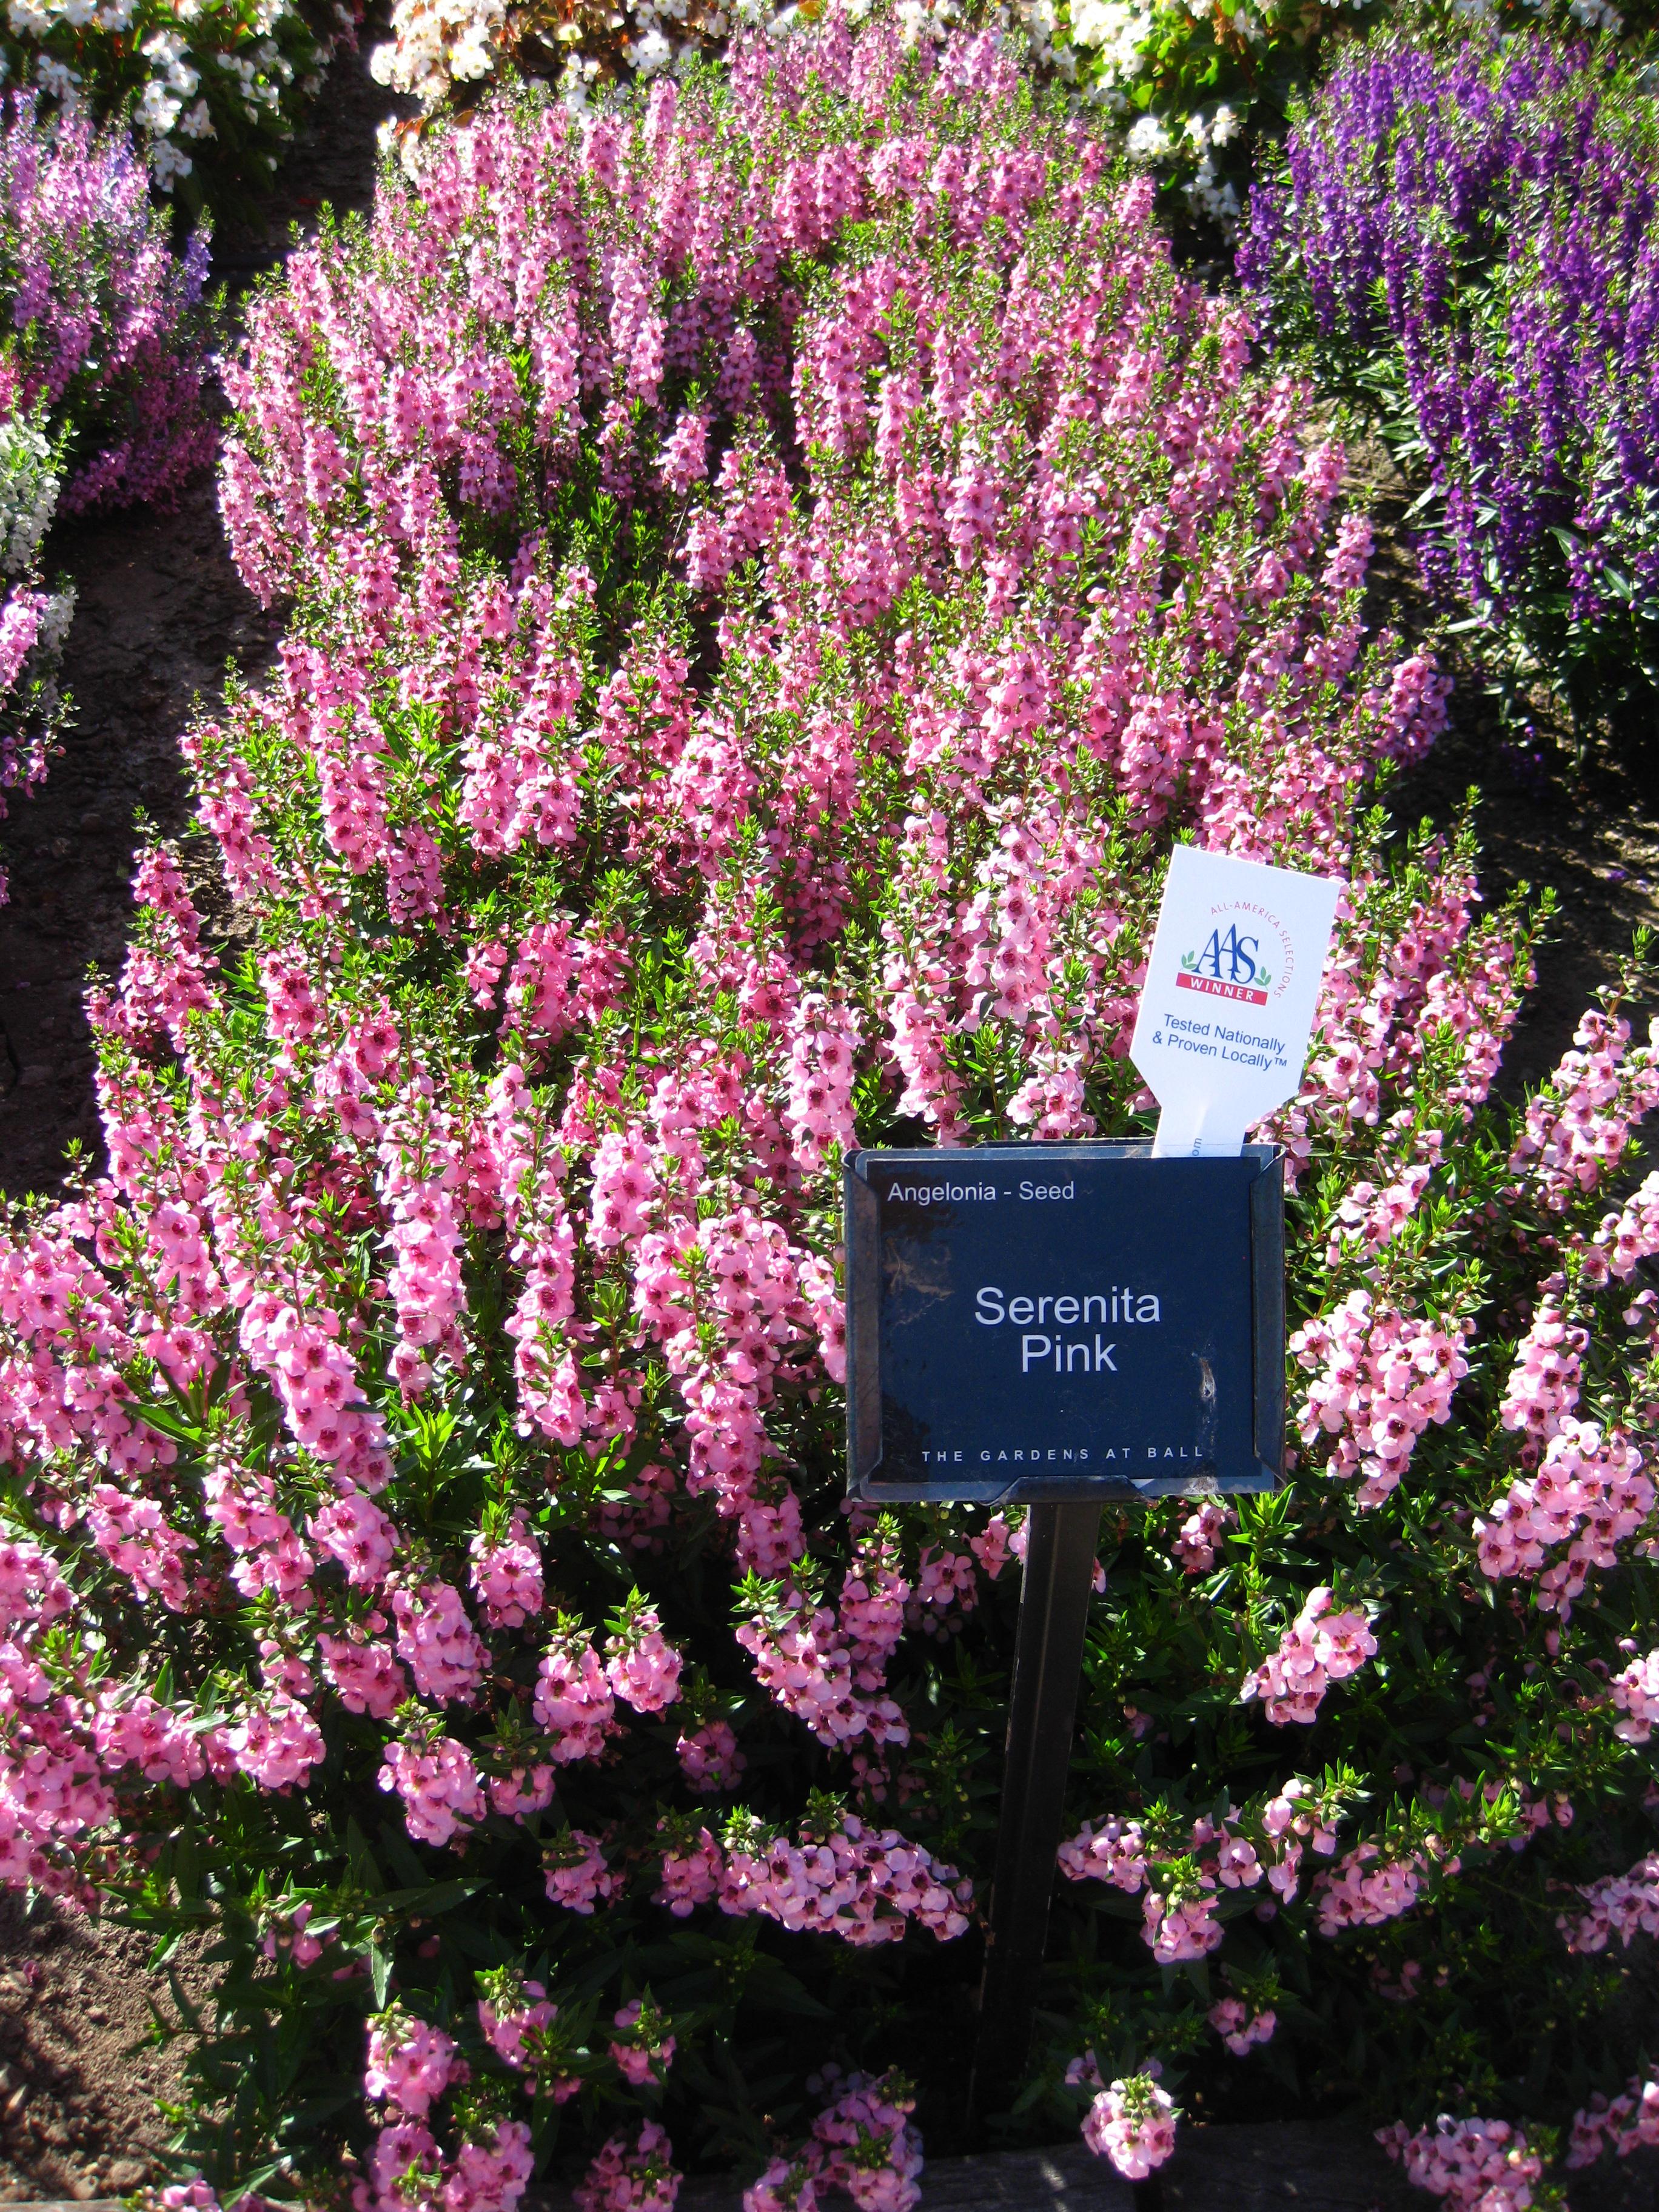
774	572
102	381
1436	241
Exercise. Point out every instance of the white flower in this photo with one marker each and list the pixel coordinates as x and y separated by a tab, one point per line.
1596	16
55	80
472	55
651	53
28	491
1116	29
1218	201
157	111
198	123
1149	140
1224	125
27	21
55	619
167	163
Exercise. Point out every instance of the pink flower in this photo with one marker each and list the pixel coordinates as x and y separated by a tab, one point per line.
642	2179
578	1877
1132	2122
642	1666
1477	2165
642	2049
1319	1647
411	2063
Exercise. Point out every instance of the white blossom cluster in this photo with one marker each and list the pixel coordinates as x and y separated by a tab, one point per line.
1115	33
438	43
239	59
1116	44
29	484
55	618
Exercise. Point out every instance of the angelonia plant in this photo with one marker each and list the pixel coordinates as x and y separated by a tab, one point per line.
33	622
104	377
773	569
107	331
1465	241
212	89
1197	90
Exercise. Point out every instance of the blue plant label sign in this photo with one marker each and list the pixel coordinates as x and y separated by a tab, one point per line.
1034	1323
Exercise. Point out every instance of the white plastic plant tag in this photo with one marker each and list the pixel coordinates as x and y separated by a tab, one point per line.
1231	990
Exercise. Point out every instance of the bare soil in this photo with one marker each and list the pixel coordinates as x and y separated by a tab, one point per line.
84	2054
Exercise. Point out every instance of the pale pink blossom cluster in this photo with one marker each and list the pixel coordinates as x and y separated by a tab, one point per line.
507	1574
1577	1125
1183	1870
1477	2165
1387	1005
1621	2124
1381	1380
406	2171
1320	1647
1543	1384
578	1876
637	2176
438	1643
411	2063
1132	2123
1635	1694
514	2019
640	2042
573	1700
437	1778
1241	2026
1624	1905
804	1657
863	2145
1367	1887
1628	1237
1200	1533
709	1758
642	1668
861	1884
1380	1881
1590	1494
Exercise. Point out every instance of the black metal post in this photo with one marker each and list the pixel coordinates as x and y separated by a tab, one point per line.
1053	1615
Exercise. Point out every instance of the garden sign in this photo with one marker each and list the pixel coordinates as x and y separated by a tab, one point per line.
1056	1325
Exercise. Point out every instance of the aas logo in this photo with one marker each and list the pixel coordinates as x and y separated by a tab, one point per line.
1229	966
